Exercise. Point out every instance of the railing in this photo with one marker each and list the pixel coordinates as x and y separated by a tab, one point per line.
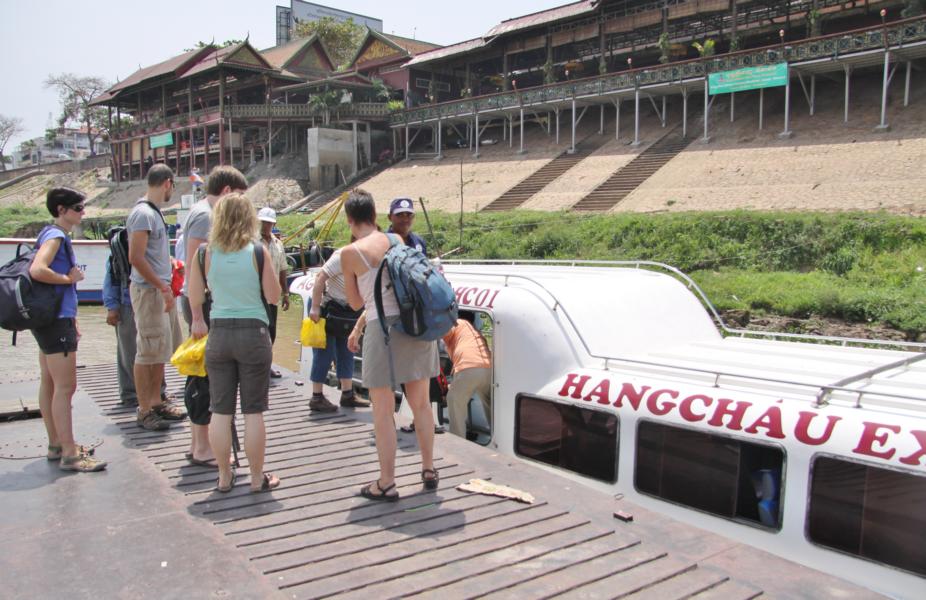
156	125
830	46
822	390
289	111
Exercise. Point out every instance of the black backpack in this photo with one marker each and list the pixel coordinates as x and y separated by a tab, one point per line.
119	267
24	303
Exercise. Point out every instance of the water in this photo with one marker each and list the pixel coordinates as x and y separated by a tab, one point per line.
98	343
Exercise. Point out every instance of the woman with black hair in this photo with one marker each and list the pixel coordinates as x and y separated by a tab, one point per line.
56	264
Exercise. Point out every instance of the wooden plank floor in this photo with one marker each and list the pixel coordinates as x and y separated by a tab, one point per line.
314	537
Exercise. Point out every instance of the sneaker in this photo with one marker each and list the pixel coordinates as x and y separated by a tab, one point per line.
319	403
152	421
352	401
83	463
169	412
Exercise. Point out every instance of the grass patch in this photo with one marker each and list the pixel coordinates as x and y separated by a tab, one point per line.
15	216
861	267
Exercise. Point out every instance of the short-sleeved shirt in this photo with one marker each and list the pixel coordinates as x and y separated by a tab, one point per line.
278	256
62	263
144	217
467	348
334	287
198	223
414	241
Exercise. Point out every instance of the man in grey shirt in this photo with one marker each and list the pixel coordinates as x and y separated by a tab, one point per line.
152	299
223	180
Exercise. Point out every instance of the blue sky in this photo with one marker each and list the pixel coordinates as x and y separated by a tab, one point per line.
112	38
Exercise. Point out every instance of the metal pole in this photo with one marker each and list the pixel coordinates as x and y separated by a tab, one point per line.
231	144
732	105
510	128
476	141
813	93
636	117
573	148
521	150
663	111
787	130
406	141
440	139
557	126
761	106
883	126
395	145
601	123
906	88
845	115
707	106
617	119
685	113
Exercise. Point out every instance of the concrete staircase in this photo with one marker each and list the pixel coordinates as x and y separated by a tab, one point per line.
539	179
630	176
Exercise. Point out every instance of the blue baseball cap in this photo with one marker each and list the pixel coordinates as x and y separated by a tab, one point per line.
401	205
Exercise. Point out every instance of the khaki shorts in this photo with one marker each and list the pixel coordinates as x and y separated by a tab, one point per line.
159	332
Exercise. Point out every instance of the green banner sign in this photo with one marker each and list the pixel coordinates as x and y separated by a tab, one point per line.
750	78
161	140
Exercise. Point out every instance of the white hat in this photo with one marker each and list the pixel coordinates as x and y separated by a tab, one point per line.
267	214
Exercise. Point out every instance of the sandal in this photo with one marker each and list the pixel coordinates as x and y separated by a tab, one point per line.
268	482
382	496
231	484
209	464
54	452
430	483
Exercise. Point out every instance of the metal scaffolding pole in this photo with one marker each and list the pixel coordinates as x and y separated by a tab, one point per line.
521	149
906	86
883	126
406	142
476	142
440	139
636	117
509	127
601	123
732	105
813	94
664	111
557	126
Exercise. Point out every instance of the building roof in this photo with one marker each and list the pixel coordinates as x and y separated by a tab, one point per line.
543	17
280	57
241	55
404	47
446	51
411	46
171	66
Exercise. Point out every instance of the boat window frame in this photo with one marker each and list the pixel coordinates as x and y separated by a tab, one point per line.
858	461
493	387
740	521
610	413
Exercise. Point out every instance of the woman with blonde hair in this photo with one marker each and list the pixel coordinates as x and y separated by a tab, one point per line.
239	351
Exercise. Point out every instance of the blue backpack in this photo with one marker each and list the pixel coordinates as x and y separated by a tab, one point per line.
427	304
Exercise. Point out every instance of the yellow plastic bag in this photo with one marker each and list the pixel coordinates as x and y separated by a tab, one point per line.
313	334
190	357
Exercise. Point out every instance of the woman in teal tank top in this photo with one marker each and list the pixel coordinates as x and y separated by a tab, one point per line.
239	352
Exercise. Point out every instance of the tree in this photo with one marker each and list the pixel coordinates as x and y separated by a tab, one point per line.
381	90
323	102
9	128
75	94
201	44
706	49
342	39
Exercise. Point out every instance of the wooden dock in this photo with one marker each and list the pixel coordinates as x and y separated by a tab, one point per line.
314	537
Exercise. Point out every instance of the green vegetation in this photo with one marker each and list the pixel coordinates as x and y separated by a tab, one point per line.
862	267
15	216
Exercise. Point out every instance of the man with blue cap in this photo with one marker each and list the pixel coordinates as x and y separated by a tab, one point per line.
401	217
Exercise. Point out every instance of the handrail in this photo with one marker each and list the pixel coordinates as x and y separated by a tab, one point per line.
836	44
716	374
906	362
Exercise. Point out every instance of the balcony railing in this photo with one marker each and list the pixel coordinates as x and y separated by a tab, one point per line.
831	46
356	110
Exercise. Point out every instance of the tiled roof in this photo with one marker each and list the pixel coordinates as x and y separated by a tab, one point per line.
413	47
171	65
221	56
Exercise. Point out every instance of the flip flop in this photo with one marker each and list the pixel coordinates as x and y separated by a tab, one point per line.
383	496
231	484
268	482
209	464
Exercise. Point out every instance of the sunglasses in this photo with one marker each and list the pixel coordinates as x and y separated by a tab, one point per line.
76	208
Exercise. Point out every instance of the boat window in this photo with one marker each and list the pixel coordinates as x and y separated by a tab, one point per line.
717	474
870	512
577	439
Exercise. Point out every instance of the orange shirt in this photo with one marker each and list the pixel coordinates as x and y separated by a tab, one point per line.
467	347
